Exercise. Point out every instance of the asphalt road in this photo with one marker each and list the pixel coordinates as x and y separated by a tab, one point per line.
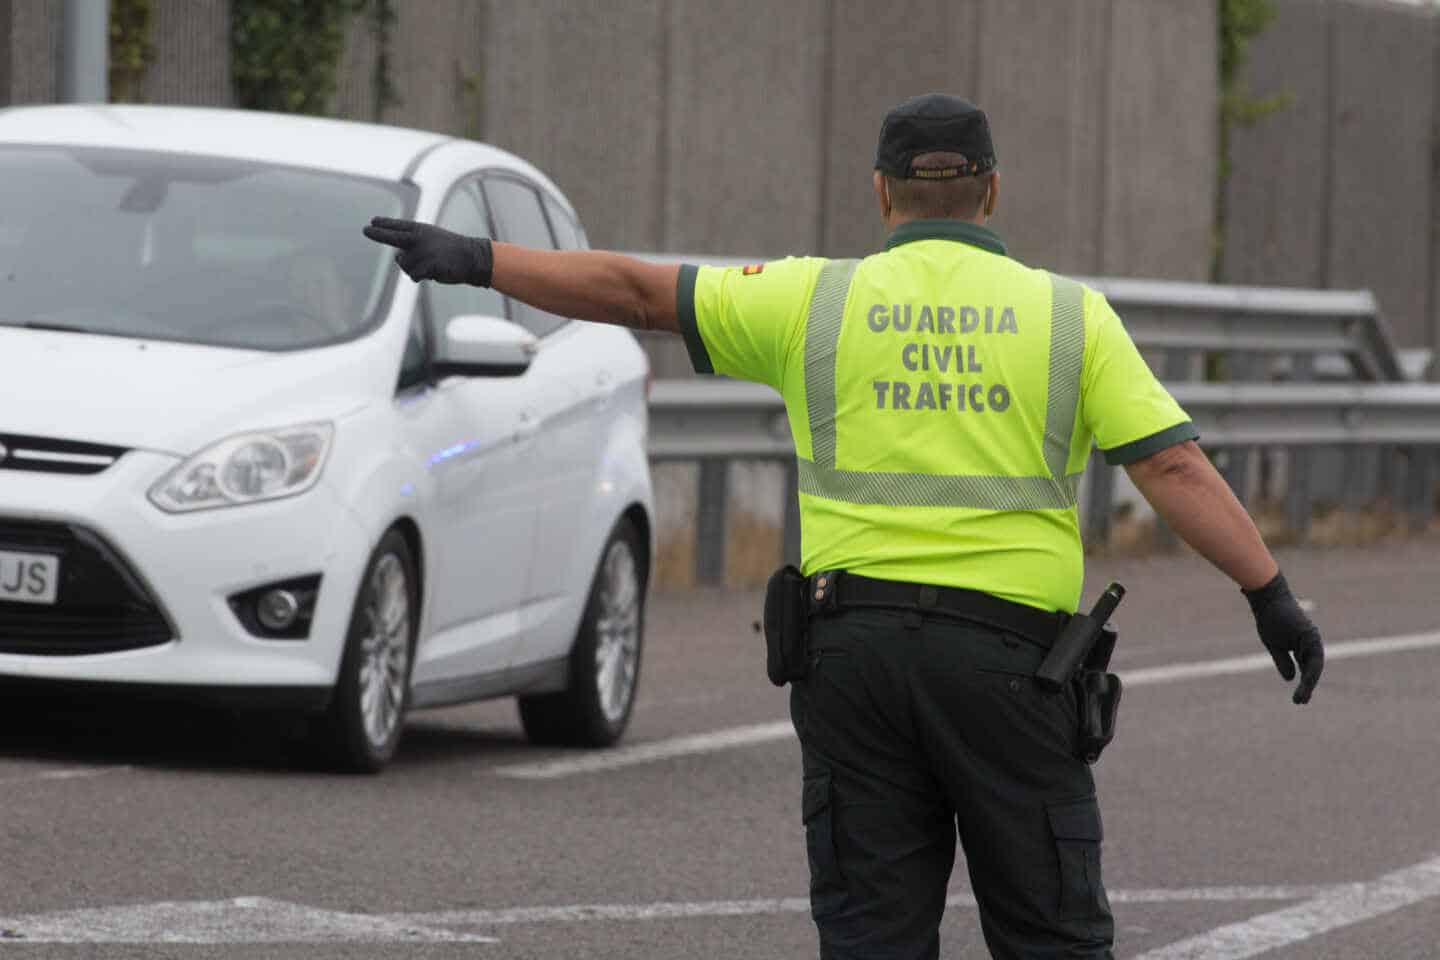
1236	823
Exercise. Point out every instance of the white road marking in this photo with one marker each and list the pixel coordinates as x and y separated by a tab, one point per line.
1221	894
241	920
1343	650
1341	907
675	910
766	732
67	773
262	920
647	752
678	910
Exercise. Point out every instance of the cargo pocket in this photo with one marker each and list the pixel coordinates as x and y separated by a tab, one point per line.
827	885
1075	825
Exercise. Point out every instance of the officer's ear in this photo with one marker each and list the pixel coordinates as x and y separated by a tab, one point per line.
882	193
992	194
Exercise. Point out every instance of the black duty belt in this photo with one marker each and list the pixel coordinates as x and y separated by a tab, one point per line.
835	590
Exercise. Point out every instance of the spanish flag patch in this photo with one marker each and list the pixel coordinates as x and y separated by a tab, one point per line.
753	269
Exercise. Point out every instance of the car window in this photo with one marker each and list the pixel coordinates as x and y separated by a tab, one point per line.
201	249
463	212
414	364
519	219
568	235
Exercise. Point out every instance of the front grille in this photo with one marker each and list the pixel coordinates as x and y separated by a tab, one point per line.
49	455
100	607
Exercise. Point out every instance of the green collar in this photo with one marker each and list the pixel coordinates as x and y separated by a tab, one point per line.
961	230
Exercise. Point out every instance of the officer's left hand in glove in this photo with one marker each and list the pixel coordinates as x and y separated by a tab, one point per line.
428	252
1287	633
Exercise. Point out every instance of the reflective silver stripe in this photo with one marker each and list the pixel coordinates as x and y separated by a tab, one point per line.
937	490
1067	353
822	333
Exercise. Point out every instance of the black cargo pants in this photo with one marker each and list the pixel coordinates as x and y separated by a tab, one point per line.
913	729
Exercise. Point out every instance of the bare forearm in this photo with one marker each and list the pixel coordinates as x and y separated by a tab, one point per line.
1186	490
589	285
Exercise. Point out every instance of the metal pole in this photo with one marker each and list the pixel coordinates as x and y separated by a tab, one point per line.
790	538
85	52
711	500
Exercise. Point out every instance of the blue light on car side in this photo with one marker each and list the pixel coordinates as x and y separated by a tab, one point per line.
452	451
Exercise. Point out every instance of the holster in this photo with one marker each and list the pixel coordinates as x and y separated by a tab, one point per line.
1098	695
787	620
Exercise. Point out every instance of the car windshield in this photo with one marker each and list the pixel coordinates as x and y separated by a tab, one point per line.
207	250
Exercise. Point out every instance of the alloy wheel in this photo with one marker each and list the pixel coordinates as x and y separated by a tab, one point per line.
385	649
617	628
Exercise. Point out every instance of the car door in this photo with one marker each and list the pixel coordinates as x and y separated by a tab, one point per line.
568	404
478	444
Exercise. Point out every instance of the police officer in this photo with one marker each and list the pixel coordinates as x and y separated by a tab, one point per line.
943	400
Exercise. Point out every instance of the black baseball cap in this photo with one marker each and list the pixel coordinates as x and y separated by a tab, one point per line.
931	123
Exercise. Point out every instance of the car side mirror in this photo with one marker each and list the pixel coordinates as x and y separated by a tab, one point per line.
481	346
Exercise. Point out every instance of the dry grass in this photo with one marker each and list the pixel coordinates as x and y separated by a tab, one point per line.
752	552
1330	526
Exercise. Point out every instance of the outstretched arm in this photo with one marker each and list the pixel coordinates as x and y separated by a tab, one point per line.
1192	497
584	284
590	285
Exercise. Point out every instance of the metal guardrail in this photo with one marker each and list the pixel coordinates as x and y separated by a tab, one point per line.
713	422
1188	319
717	421
1191	318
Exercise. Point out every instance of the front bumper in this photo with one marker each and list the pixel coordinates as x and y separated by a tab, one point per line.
187	566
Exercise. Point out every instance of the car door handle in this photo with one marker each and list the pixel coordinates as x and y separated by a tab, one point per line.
604	388
527	428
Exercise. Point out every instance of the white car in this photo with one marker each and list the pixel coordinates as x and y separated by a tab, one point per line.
241	454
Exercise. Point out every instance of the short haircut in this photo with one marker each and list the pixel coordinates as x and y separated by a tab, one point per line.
957	198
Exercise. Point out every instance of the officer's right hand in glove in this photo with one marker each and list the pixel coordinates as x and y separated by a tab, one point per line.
428	252
1288	634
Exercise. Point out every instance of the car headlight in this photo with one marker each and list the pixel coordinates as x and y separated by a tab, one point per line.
246	468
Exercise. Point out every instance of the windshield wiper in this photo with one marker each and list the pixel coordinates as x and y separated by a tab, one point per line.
59	327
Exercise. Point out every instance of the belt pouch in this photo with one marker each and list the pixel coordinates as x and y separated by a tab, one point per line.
1099	695
786	620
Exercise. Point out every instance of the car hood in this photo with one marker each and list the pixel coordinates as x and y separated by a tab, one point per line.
170	397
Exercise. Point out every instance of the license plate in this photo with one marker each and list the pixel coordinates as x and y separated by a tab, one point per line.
29	577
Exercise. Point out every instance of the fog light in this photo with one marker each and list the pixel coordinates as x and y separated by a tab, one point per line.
277	610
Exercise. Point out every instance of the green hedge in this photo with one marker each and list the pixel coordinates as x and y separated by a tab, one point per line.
284	54
131	48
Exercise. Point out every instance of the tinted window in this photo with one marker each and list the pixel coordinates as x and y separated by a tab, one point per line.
414	365
519	219
568	235
462	213
179	247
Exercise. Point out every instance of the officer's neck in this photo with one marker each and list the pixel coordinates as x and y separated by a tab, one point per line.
894	219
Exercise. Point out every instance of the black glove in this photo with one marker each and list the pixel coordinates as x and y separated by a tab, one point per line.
1287	632
429	253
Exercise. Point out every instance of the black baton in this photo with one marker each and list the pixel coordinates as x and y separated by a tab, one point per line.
1076	640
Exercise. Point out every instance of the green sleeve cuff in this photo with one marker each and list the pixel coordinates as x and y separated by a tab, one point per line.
685	313
1145	446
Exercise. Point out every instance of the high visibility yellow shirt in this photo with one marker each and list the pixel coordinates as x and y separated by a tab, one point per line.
943	399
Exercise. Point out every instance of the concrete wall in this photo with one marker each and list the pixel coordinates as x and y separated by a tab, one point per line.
192	54
579	89
1338	189
32	47
747	126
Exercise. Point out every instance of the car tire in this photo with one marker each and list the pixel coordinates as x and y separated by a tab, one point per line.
604	669
362	727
